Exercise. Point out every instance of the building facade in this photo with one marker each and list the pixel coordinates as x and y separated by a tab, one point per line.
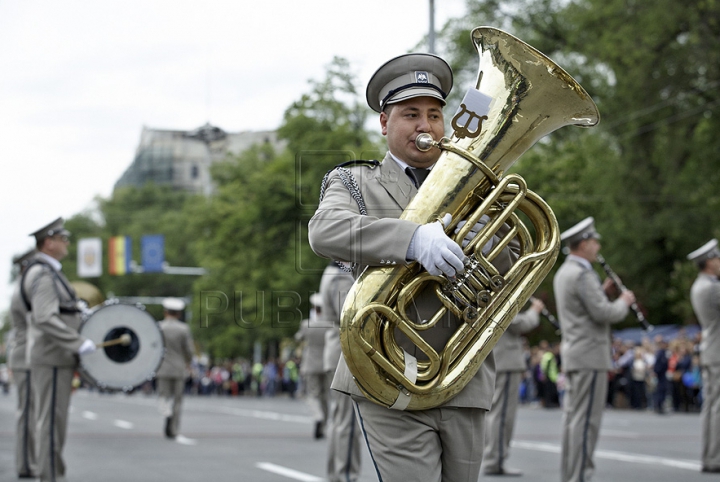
183	158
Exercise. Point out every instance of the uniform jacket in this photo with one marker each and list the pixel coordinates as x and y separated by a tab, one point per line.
509	350
53	337
334	287
178	348
18	319
312	332
338	231
585	315
705	299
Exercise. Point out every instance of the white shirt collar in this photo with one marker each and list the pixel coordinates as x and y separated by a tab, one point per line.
51	261
580	260
404	165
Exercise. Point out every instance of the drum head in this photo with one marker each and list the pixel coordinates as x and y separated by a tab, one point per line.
122	367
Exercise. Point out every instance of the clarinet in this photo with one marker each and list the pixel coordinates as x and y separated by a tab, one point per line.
616	279
550	317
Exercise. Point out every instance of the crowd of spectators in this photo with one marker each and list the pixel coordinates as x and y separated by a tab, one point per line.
655	373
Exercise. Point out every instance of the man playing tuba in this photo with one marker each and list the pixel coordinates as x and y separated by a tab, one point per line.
357	222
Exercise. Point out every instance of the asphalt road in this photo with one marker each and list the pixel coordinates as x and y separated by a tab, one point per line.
118	437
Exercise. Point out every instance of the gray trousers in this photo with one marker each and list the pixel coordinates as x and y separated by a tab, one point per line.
435	445
583	406
25	460
170	390
344	439
501	419
317	386
52	387
710	417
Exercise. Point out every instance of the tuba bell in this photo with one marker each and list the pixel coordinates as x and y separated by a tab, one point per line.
524	96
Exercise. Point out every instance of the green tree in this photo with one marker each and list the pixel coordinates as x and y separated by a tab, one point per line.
252	231
135	212
647	172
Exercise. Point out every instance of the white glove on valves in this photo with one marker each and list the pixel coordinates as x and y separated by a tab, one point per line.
435	251
87	347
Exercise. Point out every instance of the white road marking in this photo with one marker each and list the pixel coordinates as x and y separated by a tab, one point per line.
90	415
181	439
620	433
263	414
289	473
615	455
123	424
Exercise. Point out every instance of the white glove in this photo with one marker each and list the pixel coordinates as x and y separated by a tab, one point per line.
473	232
87	347
435	251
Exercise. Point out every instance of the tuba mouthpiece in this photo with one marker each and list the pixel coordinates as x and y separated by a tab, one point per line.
424	142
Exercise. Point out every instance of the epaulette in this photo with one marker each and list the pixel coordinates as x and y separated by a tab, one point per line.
351	184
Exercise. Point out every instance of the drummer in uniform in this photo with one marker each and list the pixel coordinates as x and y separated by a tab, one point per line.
175	365
585	314
705	298
25	460
53	344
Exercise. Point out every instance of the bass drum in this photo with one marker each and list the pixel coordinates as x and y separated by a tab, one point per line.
121	367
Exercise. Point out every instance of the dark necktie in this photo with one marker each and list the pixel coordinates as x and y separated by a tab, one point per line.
418	176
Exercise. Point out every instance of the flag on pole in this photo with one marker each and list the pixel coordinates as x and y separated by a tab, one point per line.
89	257
153	253
119	255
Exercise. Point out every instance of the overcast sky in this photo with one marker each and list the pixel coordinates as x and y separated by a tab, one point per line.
79	80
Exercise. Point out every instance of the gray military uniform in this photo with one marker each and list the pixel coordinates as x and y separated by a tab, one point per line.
173	370
705	298
585	315
445	442
510	365
344	436
317	385
53	344
25	460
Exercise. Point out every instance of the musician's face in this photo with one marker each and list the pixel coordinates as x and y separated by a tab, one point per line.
714	265
405	120
589	249
57	246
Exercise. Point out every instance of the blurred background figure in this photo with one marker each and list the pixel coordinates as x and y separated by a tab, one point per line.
343	431
175	366
316	383
510	367
25	461
705	298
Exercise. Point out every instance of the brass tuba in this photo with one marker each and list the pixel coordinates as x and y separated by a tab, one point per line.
527	97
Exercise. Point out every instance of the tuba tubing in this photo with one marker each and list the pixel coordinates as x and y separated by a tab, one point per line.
530	97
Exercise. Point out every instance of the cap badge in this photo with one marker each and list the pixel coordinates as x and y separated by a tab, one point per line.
422	77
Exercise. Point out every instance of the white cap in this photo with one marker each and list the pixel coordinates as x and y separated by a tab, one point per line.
585	229
705	252
173	304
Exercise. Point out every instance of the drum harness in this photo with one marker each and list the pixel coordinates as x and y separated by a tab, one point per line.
71	292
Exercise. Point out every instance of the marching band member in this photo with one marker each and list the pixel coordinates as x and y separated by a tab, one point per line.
443	443
510	365
53	345
25	460
585	315
705	299
343	430
175	364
